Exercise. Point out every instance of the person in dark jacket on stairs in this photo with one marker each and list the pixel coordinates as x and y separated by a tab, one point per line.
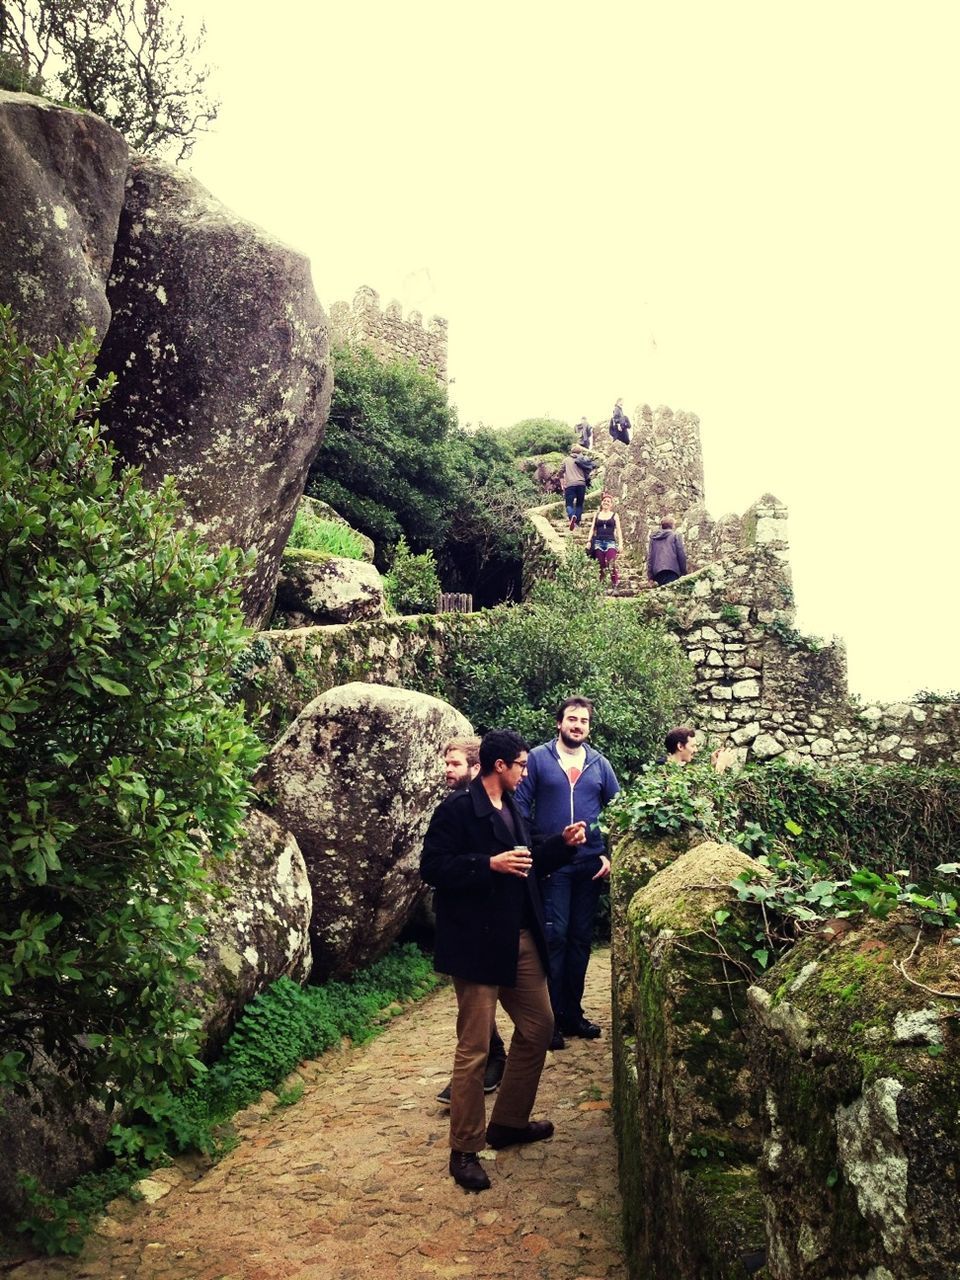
576	471
666	556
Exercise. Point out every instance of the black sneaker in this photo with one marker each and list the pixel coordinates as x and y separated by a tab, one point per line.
492	1075
556	1040
467	1171
444	1095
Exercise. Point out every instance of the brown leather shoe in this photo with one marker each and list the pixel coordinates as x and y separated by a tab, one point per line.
466	1169
504	1135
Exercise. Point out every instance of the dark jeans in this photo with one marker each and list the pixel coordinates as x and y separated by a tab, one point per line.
573	496
665	576
570	899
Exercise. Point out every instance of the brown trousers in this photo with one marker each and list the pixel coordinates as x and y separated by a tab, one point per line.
528	1005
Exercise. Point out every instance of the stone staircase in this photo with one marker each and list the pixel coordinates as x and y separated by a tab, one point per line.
632	580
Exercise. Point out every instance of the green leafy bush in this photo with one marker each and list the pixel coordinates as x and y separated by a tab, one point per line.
311	533
829	843
385	463
121	763
15	77
412	585
539	435
395	463
569	639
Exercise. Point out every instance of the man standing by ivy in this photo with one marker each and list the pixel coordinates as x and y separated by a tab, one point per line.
567	781
490	938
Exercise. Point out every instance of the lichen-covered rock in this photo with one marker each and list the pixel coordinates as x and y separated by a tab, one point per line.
220	348
55	1145
258	931
355	778
686	1116
61	191
314	588
634	862
860	1074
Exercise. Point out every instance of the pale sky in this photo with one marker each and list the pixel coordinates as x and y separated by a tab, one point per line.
748	211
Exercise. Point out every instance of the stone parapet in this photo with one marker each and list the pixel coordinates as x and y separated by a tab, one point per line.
386	331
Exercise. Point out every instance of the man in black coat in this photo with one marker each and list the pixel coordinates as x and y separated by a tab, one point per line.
491	938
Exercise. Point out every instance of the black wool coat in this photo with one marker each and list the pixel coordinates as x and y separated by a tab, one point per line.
479	911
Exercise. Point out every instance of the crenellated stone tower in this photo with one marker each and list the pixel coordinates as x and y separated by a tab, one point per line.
362	321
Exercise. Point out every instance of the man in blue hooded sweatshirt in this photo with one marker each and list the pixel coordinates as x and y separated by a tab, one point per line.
567	781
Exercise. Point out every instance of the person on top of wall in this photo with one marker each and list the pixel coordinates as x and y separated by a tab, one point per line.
666	555
606	538
461	764
585	433
619	424
576	470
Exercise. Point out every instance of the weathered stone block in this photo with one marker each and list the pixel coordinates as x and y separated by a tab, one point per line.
314	588
860	1070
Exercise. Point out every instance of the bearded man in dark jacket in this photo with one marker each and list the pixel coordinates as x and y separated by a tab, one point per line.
491	938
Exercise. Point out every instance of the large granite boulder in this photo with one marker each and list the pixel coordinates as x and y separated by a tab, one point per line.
62	178
314	588
258	930
220	349
686	1119
856	1051
355	778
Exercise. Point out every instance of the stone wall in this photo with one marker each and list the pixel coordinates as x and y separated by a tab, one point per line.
804	1122
760	686
284	670
389	334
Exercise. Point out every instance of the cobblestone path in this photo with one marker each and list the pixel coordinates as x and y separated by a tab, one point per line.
351	1181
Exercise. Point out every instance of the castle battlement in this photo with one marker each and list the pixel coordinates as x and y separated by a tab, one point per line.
389	334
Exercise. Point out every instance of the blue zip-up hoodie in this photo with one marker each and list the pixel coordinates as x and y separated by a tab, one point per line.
549	803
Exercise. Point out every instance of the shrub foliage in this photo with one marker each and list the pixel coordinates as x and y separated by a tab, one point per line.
121	762
412	585
395	464
534	436
829	844
569	639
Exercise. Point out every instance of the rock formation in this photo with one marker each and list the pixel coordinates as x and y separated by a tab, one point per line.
258	930
355	778
61	190
315	588
220	350
857	1071
688	1133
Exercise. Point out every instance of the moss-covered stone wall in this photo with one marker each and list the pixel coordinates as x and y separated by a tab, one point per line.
284	670
686	1123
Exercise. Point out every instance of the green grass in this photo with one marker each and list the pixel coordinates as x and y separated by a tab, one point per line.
310	533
